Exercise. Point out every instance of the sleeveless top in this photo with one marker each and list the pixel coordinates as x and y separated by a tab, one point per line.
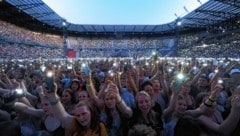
57	132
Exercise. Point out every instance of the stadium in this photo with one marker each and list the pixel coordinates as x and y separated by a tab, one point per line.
119	70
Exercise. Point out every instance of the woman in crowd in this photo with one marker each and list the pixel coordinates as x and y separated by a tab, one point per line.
185	90
77	86
49	121
114	111
147	87
84	122
171	115
144	114
230	126
161	91
178	104
68	100
83	96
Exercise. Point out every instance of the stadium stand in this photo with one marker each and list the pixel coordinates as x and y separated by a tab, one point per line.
119	80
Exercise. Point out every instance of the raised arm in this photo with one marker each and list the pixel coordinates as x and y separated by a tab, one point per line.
92	92
132	83
58	109
170	109
164	84
229	124
127	111
23	108
3	91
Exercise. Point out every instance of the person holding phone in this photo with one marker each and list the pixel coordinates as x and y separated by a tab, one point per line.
49	122
85	120
176	109
113	110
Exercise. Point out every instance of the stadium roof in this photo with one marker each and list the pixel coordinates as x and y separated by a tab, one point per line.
213	14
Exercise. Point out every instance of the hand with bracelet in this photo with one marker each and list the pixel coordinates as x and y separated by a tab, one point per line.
53	98
89	80
207	104
111	87
213	96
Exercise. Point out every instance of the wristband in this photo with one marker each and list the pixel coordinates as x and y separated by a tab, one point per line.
211	100
41	94
208	105
53	101
88	83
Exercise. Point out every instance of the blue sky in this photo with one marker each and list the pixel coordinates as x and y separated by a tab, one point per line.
122	12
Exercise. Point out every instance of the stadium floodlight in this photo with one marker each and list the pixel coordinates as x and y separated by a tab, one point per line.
179	23
154	53
64	23
178	20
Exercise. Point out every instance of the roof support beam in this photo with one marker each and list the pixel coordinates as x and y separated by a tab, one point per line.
84	29
234	3
104	29
39	15
94	29
29	6
195	25
169	26
220	14
154	28
200	20
134	28
144	28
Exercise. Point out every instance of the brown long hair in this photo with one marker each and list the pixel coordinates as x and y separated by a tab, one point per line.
94	123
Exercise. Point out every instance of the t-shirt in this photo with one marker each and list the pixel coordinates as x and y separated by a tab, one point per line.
74	131
128	97
169	128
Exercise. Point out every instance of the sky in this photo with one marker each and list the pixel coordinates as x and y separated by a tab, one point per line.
122	12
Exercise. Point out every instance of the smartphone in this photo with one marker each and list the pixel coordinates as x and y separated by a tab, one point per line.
18	93
127	67
50	82
85	70
179	80
177	84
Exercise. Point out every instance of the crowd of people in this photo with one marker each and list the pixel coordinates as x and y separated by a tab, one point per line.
140	94
119	97
52	46
21	51
126	43
13	33
229	49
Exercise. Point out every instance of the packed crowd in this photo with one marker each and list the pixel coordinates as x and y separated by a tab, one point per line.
21	51
43	94
12	33
120	97
217	46
190	45
126	43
